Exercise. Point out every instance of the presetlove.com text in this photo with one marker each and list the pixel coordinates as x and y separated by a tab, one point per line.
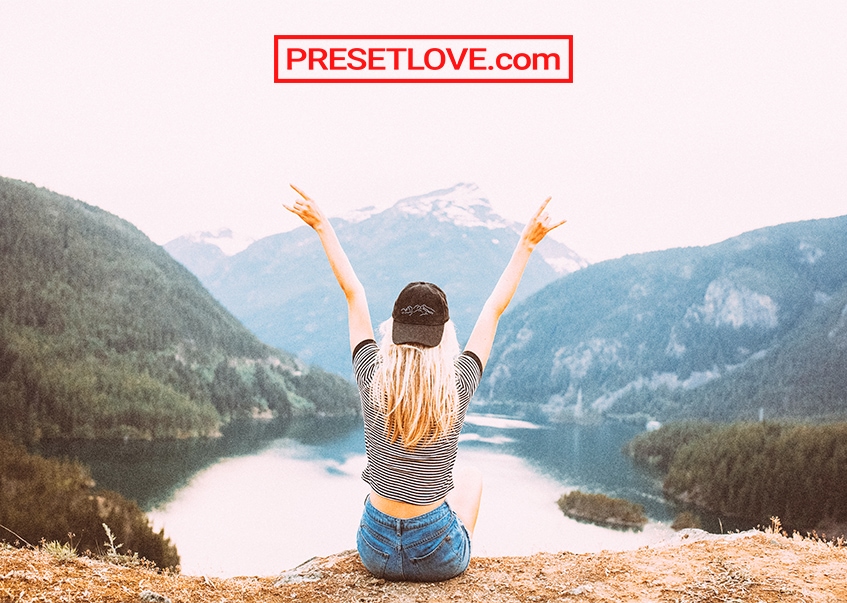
423	59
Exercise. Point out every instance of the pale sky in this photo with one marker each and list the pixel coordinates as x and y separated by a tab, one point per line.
687	123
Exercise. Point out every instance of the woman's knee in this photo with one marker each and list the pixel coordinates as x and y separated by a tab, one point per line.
468	479
466	496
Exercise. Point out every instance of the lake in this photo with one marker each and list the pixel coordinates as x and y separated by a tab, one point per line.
266	497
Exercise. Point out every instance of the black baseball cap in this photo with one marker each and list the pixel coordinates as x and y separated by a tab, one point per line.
420	313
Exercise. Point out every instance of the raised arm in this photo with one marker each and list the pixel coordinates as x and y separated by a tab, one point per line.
358	316
482	336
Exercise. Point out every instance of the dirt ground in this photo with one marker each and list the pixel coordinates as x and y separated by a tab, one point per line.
694	567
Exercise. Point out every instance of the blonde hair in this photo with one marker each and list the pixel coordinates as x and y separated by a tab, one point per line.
415	387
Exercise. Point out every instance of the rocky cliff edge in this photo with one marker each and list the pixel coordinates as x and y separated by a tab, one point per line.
692	567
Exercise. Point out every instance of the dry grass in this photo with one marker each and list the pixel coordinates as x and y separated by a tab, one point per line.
757	567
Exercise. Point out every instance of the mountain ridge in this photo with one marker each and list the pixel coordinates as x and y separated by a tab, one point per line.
685	332
281	286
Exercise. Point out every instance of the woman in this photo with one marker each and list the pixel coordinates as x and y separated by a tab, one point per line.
415	387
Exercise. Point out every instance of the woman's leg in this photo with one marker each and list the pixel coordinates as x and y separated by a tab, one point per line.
466	495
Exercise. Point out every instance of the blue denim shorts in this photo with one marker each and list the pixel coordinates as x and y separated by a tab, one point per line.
432	547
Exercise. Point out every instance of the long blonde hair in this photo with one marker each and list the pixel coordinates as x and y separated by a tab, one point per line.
415	387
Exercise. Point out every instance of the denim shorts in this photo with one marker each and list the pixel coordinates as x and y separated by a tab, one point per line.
432	547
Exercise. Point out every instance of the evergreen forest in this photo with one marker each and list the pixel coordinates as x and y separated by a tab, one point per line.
103	334
55	501
755	471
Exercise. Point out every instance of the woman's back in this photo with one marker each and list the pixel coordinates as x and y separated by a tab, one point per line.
422	473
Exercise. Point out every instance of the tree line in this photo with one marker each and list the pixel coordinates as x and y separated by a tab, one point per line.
52	500
754	471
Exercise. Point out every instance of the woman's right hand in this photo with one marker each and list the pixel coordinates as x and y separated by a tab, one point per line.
307	209
358	316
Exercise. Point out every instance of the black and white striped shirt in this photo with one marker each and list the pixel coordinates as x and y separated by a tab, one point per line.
423	474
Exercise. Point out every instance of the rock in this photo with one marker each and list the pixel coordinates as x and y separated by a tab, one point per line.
148	596
312	570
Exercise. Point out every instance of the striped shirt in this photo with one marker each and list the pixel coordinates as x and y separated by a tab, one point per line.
421	475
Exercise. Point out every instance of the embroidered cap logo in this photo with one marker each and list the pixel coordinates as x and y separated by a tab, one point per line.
421	309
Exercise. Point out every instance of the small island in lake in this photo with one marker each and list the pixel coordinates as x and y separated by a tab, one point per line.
603	510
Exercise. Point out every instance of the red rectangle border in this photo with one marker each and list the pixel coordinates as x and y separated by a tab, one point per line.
279	80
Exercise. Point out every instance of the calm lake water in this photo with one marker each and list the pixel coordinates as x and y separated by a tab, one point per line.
265	498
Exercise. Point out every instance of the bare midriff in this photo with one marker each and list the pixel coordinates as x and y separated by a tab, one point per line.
399	509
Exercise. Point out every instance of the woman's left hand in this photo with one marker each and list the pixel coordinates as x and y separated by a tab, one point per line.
538	226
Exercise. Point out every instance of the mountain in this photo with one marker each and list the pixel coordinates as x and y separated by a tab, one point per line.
282	289
103	334
207	249
755	322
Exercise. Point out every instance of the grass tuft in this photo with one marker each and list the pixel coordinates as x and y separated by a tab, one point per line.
128	559
60	552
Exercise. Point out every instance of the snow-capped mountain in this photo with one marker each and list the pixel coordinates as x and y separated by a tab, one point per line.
462	205
281	286
224	239
203	251
756	324
465	206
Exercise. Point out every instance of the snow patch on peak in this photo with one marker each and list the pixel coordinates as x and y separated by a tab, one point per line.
223	238
563	264
360	215
462	205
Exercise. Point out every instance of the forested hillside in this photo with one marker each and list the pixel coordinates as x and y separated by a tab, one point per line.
754	471
102	334
55	501
755	324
